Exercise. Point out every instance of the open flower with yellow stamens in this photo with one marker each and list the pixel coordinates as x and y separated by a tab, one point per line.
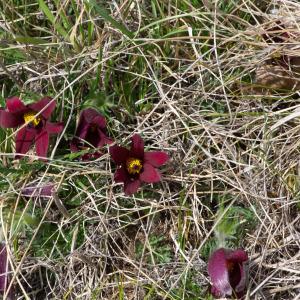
35	116
136	165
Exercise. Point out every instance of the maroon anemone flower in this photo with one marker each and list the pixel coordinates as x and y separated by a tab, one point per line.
90	132
137	166
227	271
37	129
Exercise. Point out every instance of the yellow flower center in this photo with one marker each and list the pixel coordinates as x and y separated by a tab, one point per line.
134	165
30	118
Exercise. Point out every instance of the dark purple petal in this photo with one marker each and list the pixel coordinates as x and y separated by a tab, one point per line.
108	140
156	158
40	105
4	267
234	273
119	154
218	272
92	137
82	126
237	273
88	115
15	105
24	140
240	287
121	175
99	121
149	174
82	131
216	293
54	128
137	146
38	191
103	139
10	120
237	256
42	143
131	187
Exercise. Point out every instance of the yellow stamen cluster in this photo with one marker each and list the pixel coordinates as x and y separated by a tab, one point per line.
30	118
134	165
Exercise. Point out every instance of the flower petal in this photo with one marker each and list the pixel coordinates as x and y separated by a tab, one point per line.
240	287
24	140
121	175
79	138
156	158
131	187
92	137
10	120
14	104
137	147
103	138
237	274
99	121
91	115
38	191
149	174
237	256
83	126
218	272
42	143
40	105
119	154
234	273
3	267
82	132
54	128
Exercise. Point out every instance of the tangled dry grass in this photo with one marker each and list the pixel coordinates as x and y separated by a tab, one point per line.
215	84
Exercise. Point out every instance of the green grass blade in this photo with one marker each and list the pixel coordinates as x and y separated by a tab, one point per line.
51	18
63	15
104	14
30	40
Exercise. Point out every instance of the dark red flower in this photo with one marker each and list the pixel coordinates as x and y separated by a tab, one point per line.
37	129
137	166
227	271
90	132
